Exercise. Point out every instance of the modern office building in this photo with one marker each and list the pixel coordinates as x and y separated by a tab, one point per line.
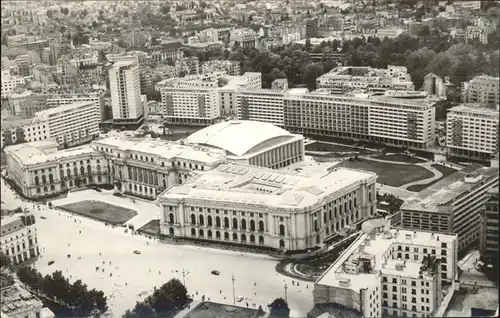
481	89
344	79
260	104
452	205
251	205
472	131
18	302
227	94
191	102
392	121
56	100
488	240
391	272
142	167
19	237
71	124
252	143
125	90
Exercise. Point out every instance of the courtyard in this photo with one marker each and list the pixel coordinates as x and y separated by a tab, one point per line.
100	211
126	277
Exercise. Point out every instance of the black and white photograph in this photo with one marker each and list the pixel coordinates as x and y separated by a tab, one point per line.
249	158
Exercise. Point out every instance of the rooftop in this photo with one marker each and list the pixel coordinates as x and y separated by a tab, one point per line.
16	299
266	187
209	309
475	109
240	137
33	153
376	250
437	197
63	108
163	148
123	64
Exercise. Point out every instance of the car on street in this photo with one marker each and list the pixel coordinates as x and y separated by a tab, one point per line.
239	299
215	272
137	252
43	217
50	263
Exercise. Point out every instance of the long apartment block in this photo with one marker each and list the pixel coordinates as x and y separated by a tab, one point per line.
452	205
392	121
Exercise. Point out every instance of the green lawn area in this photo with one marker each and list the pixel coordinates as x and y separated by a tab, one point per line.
399	158
394	175
100	211
151	228
446	171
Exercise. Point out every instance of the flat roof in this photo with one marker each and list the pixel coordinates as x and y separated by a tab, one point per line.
475	109
436	197
33	153
376	249
269	188
163	148
17	299
63	108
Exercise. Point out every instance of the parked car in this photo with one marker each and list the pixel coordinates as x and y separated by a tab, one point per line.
215	272
239	298
137	252
43	217
50	263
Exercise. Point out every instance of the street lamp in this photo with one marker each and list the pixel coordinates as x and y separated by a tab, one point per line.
234	296
286	296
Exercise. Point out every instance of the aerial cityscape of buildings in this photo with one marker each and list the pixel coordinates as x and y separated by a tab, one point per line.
355	142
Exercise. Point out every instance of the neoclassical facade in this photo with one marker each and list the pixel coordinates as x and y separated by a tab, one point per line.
139	166
259	206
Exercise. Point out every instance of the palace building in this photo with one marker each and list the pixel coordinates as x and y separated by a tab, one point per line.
251	205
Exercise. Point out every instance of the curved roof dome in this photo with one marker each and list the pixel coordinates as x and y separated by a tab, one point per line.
239	137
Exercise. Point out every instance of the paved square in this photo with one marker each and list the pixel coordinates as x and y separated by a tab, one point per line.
101	211
128	278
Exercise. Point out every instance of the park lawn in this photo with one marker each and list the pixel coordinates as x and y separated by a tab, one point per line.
446	171
151	228
394	175
100	211
399	158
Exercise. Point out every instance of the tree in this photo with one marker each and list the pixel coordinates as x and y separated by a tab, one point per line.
50	14
311	73
165	9
5	261
279	308
65	11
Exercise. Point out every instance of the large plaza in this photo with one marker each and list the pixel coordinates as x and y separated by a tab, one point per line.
128	277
